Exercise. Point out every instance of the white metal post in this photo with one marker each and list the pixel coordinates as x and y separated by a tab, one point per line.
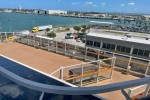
147	90
85	53
129	60
6	37
48	44
65	48
13	33
81	84
61	73
28	39
147	69
129	67
56	46
129	92
112	66
98	54
99	65
75	51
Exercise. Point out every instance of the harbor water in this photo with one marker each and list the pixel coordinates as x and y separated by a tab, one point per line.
17	21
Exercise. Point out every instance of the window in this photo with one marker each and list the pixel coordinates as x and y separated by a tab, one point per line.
146	53
91	43
112	47
104	45
141	52
135	51
123	49
98	44
108	46
118	48
128	50
87	42
95	44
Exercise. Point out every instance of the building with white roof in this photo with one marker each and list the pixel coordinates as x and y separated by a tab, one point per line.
56	12
130	45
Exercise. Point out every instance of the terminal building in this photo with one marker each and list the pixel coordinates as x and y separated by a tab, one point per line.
128	45
50	12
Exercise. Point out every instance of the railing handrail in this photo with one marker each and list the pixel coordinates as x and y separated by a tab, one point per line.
71	90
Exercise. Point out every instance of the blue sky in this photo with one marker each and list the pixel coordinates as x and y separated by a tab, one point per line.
128	6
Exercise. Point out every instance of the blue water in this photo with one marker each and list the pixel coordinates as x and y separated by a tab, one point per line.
18	22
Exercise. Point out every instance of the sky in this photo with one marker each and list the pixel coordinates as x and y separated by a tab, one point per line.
124	6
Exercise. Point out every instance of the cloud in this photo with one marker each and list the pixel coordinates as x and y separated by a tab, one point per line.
131	4
88	3
103	4
94	5
75	3
122	5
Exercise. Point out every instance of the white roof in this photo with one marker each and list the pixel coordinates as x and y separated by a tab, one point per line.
43	37
123	38
98	22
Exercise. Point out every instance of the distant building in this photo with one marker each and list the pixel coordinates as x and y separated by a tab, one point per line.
147	17
56	12
42	12
8	10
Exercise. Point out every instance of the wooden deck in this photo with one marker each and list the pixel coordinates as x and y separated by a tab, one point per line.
39	59
48	62
117	77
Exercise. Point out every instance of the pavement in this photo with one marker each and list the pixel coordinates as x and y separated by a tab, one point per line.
60	36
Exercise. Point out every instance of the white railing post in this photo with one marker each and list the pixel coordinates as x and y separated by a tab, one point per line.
48	45
6	37
81	84
99	65
61	73
56	46
28	39
130	92
112	66
75	51
129	67
98	54
147	90
65	48
85	53
147	69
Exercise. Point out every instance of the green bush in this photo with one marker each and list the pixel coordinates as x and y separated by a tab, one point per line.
51	34
67	29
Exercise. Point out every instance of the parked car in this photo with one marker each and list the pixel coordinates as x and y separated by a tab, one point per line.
78	40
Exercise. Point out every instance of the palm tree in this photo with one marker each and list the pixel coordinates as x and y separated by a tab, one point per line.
77	28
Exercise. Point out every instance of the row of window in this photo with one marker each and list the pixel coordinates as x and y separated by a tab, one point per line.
118	48
95	43
141	52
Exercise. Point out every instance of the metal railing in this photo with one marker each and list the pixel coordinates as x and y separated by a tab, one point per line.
139	66
94	71
75	90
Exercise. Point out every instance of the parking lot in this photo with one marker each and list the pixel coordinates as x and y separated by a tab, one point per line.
60	36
